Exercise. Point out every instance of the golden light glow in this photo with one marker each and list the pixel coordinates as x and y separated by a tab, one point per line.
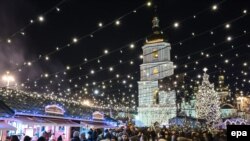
155	71
155	53
154	41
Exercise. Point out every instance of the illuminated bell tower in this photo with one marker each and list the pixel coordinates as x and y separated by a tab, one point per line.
156	65
222	90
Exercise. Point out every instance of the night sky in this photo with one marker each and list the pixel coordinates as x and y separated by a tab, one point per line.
43	57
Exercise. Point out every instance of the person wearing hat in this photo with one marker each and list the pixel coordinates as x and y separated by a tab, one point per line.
76	136
27	138
125	137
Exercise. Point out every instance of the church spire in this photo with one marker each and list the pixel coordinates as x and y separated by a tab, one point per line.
155	20
157	35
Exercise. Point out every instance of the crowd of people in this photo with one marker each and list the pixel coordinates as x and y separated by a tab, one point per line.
132	133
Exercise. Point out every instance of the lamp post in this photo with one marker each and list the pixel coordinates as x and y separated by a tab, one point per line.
8	78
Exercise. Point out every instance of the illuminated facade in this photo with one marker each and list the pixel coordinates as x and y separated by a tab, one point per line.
154	105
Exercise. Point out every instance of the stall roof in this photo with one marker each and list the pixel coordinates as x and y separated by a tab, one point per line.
32	120
5	126
96	124
5	111
34	104
46	121
64	122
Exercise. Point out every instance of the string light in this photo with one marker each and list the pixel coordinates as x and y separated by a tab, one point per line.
41	18
214	7
92	71
100	24
111	69
176	24
117	22
106	51
75	40
46	58
245	11
132	45
68	67
227	25
9	41
229	38
57	9
141	56
29	63
96	92
149	4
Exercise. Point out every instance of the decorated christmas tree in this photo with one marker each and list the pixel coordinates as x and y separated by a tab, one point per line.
207	101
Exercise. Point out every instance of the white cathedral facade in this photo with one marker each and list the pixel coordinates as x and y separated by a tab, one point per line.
154	105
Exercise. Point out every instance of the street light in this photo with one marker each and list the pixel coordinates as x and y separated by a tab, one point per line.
8	78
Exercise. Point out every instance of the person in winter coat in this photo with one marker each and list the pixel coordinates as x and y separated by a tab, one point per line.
162	136
76	136
60	138
83	137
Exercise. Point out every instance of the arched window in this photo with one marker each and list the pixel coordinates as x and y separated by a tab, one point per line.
155	71
155	53
156	96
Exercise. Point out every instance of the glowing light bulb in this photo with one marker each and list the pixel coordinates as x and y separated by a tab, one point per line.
96	92
132	45
117	22
106	51
227	25
92	71
75	40
29	63
141	56
47	58
229	38
244	11
214	7
176	24
9	41
205	70
41	18
149	4
100	24
111	69
199	76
